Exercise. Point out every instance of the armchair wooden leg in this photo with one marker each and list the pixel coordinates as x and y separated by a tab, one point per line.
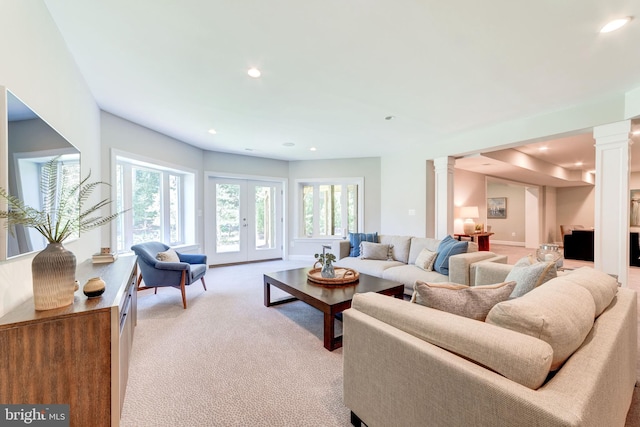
182	281
204	285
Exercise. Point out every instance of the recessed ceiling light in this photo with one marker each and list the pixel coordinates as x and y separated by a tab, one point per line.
254	72
635	132
578	164
390	117
212	131
312	148
545	148
615	24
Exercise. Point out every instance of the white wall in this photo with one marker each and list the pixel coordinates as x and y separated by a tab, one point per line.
512	228
37	67
470	190
575	205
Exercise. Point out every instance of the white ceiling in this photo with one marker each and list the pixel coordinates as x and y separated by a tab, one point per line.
333	70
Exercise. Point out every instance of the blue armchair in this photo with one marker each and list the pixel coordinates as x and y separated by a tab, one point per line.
176	273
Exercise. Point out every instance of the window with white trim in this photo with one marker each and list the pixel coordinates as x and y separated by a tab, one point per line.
160	202
329	207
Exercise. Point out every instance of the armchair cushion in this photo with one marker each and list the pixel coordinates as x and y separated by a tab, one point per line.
169	255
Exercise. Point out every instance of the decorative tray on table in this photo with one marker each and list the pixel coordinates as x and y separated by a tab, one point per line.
343	276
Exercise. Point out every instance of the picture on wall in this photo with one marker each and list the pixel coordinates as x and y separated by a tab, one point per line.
635	208
497	207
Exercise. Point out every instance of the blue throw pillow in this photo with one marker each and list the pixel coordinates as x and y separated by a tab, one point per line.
356	238
447	248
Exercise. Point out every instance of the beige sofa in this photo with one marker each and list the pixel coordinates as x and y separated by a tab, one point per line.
405	251
409	365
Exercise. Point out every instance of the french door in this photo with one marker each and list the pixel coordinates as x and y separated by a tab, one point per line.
247	219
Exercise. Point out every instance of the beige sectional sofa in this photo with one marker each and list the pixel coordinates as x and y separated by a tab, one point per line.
405	250
564	354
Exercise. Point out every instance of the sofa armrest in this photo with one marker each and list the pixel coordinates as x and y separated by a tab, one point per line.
340	248
460	266
488	273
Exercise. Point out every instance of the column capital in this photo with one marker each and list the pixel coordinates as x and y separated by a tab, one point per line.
612	132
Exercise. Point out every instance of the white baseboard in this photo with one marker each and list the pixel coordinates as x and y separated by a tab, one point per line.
507	243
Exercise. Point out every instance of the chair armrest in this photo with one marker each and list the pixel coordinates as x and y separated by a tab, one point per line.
164	265
488	273
340	248
460	266
193	258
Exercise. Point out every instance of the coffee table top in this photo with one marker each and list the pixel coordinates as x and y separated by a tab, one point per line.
331	294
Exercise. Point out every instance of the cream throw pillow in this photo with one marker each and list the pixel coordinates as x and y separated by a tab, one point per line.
168	256
560	313
377	251
426	259
473	302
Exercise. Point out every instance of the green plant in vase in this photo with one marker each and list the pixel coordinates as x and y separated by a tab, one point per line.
326	261
63	214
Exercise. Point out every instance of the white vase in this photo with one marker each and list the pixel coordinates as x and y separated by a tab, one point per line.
54	273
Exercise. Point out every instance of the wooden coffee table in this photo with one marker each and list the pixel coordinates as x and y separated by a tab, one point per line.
329	299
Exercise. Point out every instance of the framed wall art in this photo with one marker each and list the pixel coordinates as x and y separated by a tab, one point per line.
635	208
497	207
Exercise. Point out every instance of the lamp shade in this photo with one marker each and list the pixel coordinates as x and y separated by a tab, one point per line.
469	212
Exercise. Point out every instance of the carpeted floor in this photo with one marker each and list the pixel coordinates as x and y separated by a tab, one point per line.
230	361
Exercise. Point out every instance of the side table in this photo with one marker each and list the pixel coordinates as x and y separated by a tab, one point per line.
483	239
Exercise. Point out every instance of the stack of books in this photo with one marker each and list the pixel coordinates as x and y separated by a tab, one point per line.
102	258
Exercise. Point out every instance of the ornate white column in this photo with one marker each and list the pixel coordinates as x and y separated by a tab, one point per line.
443	167
611	213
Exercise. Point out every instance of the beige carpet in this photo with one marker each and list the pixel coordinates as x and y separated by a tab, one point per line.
229	361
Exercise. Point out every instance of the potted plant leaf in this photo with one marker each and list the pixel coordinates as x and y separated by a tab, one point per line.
63	213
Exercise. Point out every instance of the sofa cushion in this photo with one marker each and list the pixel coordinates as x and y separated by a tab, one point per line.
473	302
420	243
426	259
399	246
560	313
168	256
529	274
372	267
377	251
409	274
447	248
356	238
602	286
518	357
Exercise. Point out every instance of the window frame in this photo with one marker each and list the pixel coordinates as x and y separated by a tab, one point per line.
187	199
316	183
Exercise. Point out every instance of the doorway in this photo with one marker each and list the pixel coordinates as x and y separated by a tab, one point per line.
246	218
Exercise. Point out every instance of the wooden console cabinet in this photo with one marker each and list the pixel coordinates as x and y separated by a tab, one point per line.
76	355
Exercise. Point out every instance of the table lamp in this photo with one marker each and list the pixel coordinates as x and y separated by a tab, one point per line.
469	213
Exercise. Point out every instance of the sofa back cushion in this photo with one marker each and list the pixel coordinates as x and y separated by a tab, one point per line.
518	357
399	246
420	243
559	312
601	285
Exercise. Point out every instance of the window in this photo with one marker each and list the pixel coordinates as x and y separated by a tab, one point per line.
161	204
330	208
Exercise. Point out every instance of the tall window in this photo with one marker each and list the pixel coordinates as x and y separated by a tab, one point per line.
329	207
158	204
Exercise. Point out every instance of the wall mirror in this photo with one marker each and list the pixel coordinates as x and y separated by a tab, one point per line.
30	142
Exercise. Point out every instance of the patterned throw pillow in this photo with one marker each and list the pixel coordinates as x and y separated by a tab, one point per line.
473	302
168	256
356	238
447	248
529	274
378	251
426	259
